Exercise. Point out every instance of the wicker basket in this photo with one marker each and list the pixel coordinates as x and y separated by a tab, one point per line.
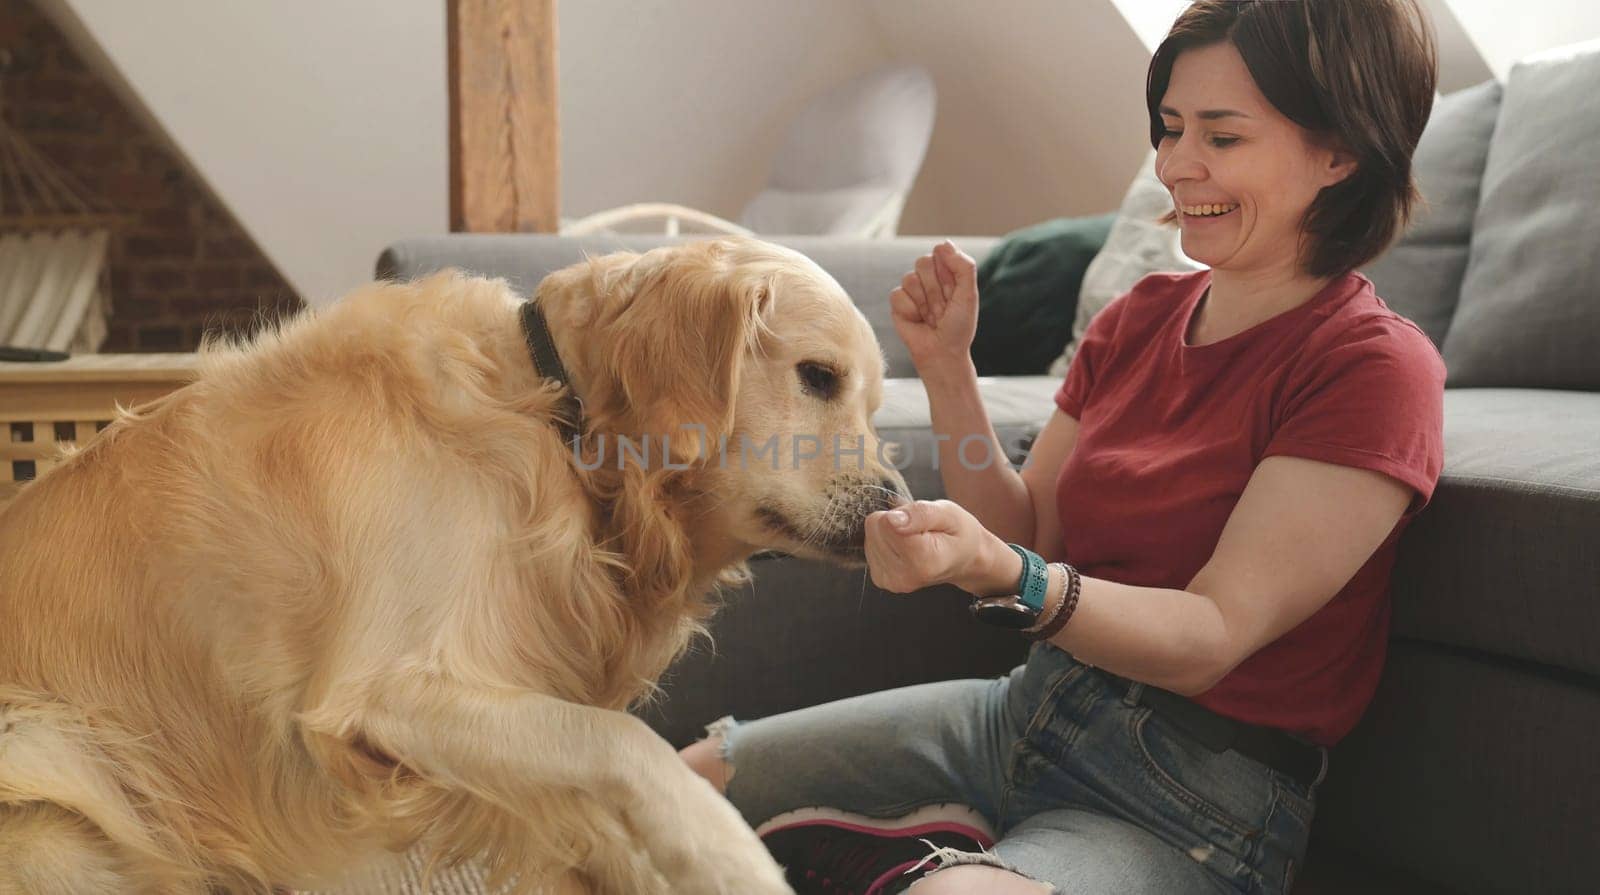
46	406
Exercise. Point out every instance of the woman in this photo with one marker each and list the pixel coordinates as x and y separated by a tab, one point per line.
1234	455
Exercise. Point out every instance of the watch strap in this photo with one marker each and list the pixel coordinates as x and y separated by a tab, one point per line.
1035	580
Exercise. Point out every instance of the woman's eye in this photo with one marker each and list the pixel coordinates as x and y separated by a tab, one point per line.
818	379
1219	142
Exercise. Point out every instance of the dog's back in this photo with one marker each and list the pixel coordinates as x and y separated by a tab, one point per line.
349	590
118	718
167	597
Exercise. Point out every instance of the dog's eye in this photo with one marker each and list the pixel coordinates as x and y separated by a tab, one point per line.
818	379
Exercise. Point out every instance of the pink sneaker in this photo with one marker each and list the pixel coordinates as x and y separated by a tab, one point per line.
830	852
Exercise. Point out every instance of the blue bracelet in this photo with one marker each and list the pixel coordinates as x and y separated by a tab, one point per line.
1035	578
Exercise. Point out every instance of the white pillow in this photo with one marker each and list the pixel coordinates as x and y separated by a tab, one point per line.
847	211
1137	245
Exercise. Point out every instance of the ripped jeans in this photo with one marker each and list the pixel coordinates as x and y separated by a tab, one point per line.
1086	789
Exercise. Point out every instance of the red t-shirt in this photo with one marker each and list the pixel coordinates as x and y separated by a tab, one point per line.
1169	434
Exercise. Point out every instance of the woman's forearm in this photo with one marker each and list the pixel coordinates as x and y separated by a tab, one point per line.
1165	637
973	464
1169	638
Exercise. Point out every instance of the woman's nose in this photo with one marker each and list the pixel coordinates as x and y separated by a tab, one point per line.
1176	161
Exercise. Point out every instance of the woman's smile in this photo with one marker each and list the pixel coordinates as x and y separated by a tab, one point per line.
1207	215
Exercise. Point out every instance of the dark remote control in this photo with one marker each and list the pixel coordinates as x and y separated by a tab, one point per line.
10	353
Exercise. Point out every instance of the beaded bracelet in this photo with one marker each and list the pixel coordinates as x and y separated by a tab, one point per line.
1069	604
1048	613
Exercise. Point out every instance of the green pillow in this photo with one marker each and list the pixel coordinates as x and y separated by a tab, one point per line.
1028	294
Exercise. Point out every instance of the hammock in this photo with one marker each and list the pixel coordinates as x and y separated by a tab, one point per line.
52	292
53	242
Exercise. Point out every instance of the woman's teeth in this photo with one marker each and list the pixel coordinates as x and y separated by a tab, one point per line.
1207	210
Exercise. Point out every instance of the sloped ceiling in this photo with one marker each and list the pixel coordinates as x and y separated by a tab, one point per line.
322	126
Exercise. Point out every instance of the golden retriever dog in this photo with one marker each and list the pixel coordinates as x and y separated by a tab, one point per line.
350	591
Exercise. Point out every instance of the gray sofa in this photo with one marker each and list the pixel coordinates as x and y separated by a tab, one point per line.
1476	768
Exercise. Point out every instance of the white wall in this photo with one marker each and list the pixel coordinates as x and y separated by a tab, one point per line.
1506	31
670	101
1041	109
1460	62
320	125
1040	102
1151	19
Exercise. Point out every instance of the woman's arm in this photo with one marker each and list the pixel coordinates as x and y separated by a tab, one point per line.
1018	507
935	312
1299	533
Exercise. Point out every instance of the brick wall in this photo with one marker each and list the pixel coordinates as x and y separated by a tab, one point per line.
181	263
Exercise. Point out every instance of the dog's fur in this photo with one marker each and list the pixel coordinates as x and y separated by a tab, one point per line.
349	591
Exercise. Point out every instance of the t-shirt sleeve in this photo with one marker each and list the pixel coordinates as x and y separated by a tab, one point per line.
1090	360
1375	403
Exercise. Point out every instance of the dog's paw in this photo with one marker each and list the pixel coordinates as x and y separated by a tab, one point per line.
735	865
700	843
754	877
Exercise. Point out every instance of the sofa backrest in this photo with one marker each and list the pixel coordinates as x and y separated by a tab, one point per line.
1420	276
868	269
1529	313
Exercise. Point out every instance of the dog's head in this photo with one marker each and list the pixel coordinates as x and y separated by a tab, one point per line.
748	365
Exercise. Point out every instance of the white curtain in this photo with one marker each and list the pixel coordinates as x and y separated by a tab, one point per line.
52	289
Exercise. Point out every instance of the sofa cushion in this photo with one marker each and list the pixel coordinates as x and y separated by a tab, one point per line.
1474	773
1420	275
868	269
1529	313
1028	292
1506	560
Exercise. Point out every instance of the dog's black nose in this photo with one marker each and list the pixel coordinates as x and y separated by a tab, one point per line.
892	493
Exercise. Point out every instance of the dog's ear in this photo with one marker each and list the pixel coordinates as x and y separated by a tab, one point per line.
685	318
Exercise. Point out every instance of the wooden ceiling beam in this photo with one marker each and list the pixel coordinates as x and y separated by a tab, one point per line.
505	167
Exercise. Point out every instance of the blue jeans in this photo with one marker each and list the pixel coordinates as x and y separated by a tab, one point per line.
1086	789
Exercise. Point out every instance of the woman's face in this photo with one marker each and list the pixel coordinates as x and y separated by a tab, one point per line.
1228	149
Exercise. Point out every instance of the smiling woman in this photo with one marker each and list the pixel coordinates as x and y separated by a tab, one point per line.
1320	153
1234	454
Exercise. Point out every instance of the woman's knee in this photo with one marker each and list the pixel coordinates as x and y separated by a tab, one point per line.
705	758
970	879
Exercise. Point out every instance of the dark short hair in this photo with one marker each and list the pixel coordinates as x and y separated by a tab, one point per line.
1358	73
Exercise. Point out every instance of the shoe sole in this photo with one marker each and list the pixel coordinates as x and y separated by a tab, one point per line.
926	821
948	818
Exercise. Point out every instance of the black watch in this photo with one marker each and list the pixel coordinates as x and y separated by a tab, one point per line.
1006	612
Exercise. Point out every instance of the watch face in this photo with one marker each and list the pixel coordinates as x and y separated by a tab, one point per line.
1005	612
